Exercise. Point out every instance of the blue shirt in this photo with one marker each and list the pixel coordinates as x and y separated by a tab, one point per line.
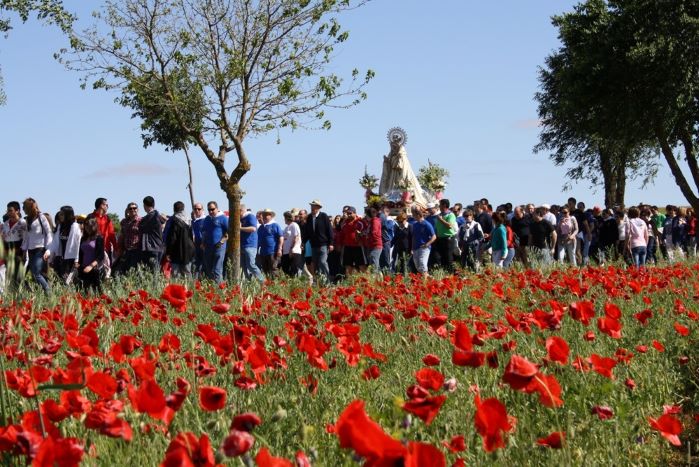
268	238
432	220
387	227
422	233
248	239
214	229
197	225
460	221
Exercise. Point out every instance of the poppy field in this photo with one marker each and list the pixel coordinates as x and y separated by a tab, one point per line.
563	367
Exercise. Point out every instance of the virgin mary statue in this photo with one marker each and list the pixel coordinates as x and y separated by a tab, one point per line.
397	174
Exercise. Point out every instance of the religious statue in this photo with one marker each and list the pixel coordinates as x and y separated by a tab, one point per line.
397	175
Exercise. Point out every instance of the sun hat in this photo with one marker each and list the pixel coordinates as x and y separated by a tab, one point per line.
268	211
316	202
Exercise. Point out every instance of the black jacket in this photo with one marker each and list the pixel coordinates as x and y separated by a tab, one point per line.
179	243
322	234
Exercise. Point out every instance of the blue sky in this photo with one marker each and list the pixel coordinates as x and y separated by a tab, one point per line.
459	76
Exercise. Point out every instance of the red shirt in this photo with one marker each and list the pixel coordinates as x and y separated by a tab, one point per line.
372	234
510	237
348	233
106	229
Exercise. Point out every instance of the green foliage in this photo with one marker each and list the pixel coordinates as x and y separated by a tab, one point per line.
581	129
170	107
49	11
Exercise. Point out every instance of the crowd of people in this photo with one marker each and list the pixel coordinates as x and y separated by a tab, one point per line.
86	250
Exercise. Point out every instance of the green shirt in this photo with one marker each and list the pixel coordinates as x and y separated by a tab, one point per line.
658	221
444	231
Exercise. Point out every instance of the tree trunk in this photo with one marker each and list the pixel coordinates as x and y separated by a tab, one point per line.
233	244
190	186
608	176
619	180
680	179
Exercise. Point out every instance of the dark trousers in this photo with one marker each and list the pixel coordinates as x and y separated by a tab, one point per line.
292	264
446	246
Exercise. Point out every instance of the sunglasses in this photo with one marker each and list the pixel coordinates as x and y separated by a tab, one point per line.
212	209
133	208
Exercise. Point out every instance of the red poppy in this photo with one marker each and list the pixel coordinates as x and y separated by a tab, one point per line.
431	360
265	459
456	444
603	412
658	346
212	398
582	311
64	452
221	308
630	383
246	421
422	454
644	316
237	443
417	392
557	349
612	311
187	449
357	431
519	372
176	295
301	459
669	426
429	379
426	409
462	338
553	441
372	372
603	365
681	330
471	359
610	327
548	389
491	422
148	398
102	384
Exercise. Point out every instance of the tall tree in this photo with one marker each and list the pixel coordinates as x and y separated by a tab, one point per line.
583	131
49	11
663	80
260	64
158	120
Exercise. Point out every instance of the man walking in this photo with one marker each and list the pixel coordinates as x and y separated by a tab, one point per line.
198	216
446	228
318	230
214	235
151	231
248	244
179	244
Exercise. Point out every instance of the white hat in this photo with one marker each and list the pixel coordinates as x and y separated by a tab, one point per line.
431	205
546	206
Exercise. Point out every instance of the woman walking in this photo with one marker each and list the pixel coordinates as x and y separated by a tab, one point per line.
37	242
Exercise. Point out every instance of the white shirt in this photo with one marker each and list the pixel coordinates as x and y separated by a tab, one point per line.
550	218
292	239
72	244
15	233
38	234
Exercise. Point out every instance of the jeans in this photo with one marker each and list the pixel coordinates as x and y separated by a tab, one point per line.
247	263
213	262
566	248
36	267
499	257
420	257
509	258
374	257
651	250
385	262
639	256
320	260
